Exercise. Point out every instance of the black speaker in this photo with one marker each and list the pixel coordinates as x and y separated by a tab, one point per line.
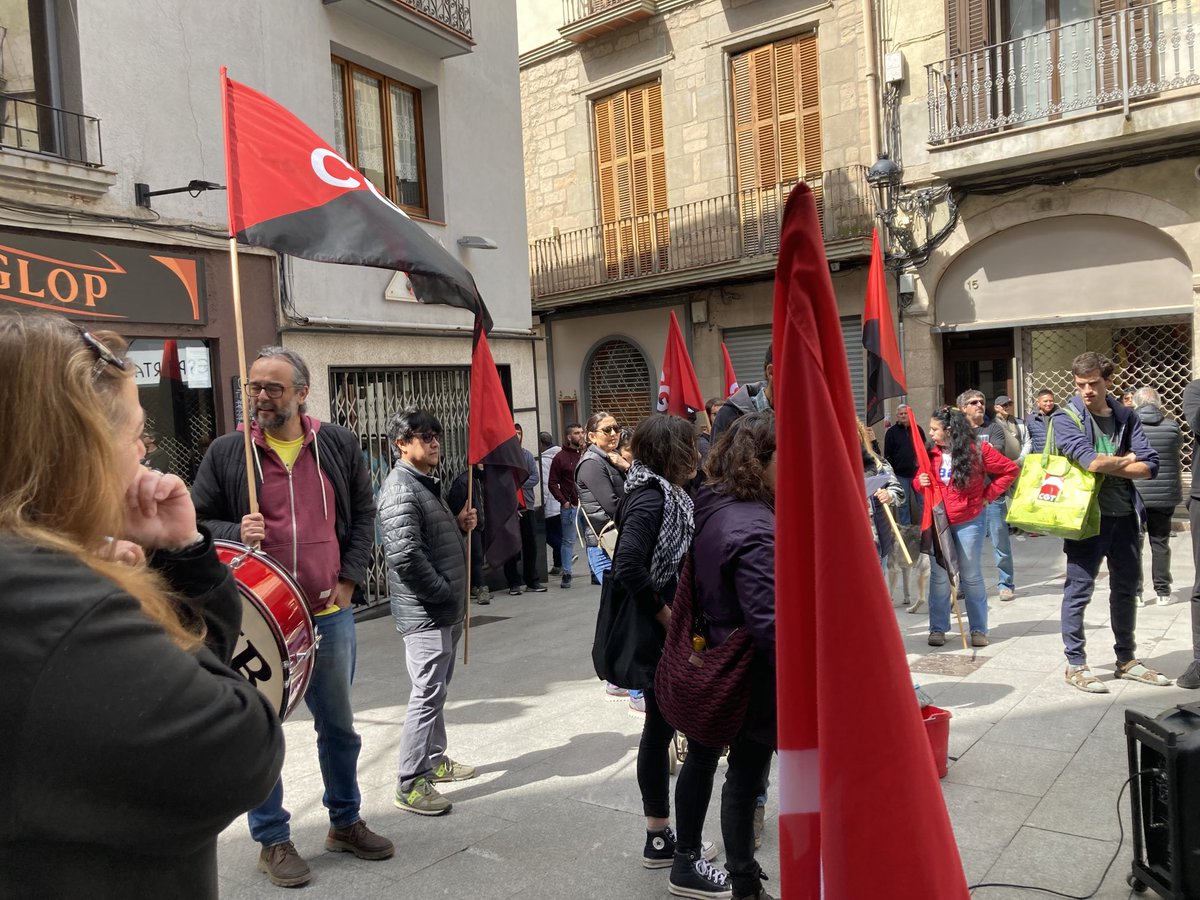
1164	765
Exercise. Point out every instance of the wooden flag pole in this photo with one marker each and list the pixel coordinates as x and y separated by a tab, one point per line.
957	610
887	508
242	373
467	621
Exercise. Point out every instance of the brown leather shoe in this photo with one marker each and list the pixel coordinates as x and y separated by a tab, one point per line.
283	865
359	840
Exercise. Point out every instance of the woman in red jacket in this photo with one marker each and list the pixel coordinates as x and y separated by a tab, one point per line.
973	473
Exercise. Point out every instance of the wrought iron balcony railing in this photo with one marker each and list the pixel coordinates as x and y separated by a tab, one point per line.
709	232
454	14
575	10
50	131
1108	61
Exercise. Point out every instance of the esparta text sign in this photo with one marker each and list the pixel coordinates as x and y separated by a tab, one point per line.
105	282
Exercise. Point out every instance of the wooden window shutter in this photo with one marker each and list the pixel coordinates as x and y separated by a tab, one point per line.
968	26
809	71
743	124
766	145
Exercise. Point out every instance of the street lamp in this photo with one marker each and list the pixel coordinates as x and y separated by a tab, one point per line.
884	177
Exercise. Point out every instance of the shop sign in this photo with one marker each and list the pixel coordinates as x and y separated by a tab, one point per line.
102	282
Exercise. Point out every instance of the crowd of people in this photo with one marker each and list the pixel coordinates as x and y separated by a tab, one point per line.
112	578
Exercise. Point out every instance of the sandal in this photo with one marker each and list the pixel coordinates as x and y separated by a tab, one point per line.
1135	671
1082	678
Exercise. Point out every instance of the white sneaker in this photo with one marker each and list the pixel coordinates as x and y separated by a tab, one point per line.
1163	600
1141	601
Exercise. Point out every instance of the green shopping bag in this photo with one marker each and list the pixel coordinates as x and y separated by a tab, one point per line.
1056	496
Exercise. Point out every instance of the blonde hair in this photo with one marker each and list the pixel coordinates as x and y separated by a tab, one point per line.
60	486
867	438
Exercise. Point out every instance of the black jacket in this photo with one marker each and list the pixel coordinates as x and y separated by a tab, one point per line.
124	756
1036	424
1191	415
741	403
426	552
1164	490
898	450
219	493
601	486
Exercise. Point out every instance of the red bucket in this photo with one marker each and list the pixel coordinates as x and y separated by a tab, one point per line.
937	727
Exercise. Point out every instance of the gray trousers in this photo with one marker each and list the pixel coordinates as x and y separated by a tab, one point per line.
429	656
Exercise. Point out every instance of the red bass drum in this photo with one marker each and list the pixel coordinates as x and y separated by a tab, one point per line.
278	644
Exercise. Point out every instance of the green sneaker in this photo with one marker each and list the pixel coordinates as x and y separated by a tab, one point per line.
449	770
423	799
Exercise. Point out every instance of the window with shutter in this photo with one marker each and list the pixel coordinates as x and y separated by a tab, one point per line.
632	173
777	132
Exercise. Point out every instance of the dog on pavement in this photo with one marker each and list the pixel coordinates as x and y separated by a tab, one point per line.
914	576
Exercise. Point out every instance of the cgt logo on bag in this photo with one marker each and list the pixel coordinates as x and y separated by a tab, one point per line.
1052	486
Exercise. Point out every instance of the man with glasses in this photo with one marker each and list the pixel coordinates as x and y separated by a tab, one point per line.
317	518
427	584
973	405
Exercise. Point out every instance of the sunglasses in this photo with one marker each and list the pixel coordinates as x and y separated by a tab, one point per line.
428	437
273	390
610	429
973	403
104	356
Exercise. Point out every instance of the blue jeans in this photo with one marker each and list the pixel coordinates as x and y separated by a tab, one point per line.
1117	542
997	528
968	541
328	699
598	562
567	547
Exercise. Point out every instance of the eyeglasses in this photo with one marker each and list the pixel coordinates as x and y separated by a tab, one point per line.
428	437
104	356
609	429
273	390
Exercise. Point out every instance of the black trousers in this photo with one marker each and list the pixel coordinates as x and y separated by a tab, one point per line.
653	767
527	556
1158	528
1194	517
477	580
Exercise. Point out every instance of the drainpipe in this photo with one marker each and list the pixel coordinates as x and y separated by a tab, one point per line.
873	97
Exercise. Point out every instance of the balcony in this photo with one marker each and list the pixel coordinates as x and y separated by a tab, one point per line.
441	28
49	131
587	19
1109	85
717	239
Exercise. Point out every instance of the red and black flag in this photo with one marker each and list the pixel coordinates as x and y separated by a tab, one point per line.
935	521
492	440
678	388
885	371
836	838
292	192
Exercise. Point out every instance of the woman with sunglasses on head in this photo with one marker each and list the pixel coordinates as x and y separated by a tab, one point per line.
972	473
656	527
130	741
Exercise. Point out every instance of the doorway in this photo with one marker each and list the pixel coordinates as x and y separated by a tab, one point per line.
983	360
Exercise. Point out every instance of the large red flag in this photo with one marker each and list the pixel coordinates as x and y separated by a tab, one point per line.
731	382
290	191
678	387
854	773
492	440
885	370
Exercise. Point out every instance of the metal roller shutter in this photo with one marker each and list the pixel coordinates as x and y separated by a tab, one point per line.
748	349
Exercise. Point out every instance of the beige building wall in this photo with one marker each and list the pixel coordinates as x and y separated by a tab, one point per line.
688	49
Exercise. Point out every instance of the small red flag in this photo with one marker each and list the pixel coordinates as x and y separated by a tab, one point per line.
492	440
885	370
731	382
678	387
852	776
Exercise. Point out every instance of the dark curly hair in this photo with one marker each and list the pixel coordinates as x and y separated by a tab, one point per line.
964	452
735	463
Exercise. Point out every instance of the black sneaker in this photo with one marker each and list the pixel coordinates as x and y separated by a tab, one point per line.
692	876
555	570
566	582
536	588
514	592
1191	678
660	848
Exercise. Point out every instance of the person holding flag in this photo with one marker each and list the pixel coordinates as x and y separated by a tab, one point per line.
427	586
964	467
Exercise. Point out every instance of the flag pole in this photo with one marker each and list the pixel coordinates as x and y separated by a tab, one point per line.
467	621
957	610
887	508
251	493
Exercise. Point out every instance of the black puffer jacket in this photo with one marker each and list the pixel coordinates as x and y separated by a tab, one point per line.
1165	490
740	404
601	487
426	552
219	493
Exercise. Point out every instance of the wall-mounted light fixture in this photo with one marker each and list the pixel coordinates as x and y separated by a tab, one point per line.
195	187
475	242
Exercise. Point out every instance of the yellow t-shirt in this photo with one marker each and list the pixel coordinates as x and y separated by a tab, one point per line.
288	451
